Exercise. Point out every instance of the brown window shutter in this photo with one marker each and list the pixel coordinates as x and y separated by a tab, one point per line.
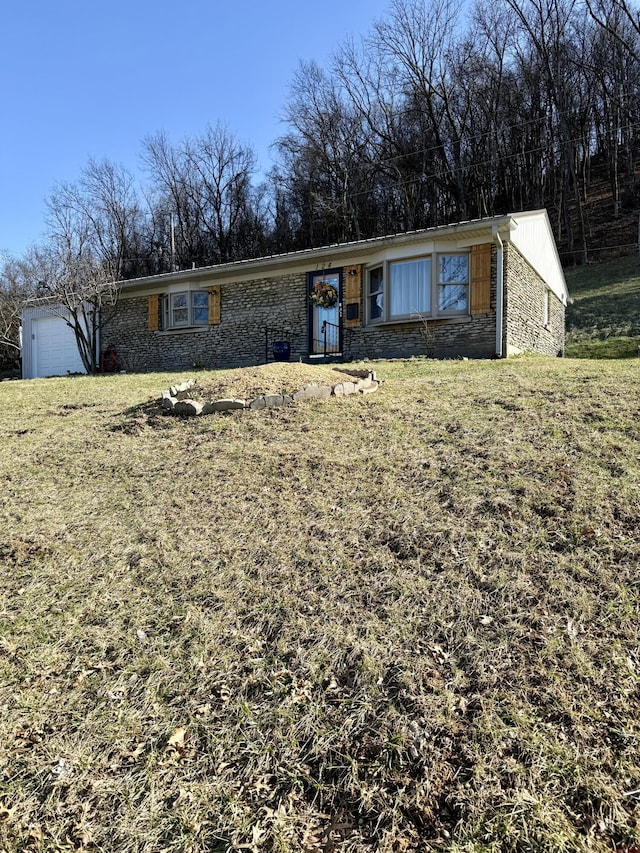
154	312
214	306
481	279
352	281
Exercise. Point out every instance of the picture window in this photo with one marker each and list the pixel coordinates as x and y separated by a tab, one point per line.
430	286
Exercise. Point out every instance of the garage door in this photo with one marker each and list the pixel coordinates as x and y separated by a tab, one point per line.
55	351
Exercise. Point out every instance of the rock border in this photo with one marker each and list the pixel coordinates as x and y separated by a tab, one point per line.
176	401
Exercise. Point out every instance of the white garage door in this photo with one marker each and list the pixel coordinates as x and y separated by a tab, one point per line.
55	351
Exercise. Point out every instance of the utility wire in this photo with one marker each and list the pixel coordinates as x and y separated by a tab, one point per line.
485	133
451	171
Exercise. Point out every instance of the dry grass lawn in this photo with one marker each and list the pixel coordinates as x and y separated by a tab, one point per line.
603	318
406	621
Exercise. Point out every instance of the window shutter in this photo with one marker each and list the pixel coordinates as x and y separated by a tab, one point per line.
481	279
154	312
352	281
214	306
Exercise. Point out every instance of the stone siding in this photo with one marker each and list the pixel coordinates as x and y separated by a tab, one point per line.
474	336
525	299
281	304
238	340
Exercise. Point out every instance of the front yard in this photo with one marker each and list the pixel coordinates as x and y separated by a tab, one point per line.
400	622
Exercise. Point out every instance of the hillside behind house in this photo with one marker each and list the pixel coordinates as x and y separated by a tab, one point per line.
603	319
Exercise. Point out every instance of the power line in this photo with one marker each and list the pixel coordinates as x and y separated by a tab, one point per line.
592	249
486	133
499	158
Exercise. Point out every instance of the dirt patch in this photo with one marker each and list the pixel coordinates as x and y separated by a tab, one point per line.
279	378
19	552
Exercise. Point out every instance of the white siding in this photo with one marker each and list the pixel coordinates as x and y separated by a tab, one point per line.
534	239
48	344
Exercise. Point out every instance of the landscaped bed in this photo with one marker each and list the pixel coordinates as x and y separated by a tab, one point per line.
276	378
294	384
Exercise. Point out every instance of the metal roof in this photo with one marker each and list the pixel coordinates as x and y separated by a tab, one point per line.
470	228
536	243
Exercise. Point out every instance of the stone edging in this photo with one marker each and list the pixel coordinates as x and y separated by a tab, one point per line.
175	400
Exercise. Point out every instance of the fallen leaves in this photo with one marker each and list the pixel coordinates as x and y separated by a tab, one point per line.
177	740
354	676
132	755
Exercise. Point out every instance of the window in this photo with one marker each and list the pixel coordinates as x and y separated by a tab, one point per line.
431	286
376	295
181	310
410	287
453	283
199	308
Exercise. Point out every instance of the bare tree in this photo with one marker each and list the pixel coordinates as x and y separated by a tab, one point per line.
548	28
422	41
327	155
76	288
206	184
620	20
101	213
14	295
397	156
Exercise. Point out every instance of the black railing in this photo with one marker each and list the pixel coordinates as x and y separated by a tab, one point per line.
328	343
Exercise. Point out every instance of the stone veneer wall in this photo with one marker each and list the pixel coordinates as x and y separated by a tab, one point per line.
473	337
238	340
524	310
247	307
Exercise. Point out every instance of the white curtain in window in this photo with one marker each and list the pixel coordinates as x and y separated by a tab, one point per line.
411	287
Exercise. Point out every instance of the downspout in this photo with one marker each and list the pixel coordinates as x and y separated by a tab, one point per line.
21	345
499	291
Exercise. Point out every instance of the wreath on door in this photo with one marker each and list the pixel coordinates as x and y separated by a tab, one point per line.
323	294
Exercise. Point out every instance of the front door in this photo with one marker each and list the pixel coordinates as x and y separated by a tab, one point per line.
324	319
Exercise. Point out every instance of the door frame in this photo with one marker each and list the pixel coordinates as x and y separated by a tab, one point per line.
334	271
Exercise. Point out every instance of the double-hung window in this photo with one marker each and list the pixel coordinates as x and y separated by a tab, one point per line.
199	308
376	294
430	286
453	283
189	308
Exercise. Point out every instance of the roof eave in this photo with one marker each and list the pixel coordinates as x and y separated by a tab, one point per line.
331	254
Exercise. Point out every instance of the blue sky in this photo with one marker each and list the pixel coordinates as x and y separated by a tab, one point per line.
81	80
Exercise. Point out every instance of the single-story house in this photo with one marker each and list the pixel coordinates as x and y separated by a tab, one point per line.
485	288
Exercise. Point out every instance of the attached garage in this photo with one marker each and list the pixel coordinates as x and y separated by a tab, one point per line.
48	344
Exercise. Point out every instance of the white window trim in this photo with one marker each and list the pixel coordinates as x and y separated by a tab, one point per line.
167	311
434	314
